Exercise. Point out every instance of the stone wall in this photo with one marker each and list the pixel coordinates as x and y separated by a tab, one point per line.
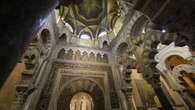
7	92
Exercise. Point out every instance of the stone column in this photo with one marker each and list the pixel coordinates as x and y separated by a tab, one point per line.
155	82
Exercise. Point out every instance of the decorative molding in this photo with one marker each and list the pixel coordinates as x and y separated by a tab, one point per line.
168	51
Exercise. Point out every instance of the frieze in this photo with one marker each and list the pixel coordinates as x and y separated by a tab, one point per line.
85	56
78	65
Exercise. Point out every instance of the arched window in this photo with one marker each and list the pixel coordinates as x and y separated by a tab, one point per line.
45	36
63	38
61	54
81	101
85	36
102	32
122	49
174	61
105	45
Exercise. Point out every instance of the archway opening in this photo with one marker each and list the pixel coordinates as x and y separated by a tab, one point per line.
140	27
122	49
122	53
105	45
45	36
81	101
63	37
185	79
174	61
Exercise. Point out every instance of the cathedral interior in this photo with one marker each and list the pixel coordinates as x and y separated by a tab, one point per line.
97	55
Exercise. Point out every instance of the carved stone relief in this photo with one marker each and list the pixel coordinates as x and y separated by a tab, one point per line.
84	56
71	71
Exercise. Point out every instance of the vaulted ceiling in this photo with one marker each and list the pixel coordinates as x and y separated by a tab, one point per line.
91	16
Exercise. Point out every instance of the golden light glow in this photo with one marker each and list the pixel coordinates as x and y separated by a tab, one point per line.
81	101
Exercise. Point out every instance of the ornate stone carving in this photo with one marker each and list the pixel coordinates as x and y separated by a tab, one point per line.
85	56
25	87
67	68
168	51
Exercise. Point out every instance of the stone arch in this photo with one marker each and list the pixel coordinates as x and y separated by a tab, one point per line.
122	53
85	56
45	39
69	25
105	44
139	26
61	54
151	40
78	55
69	54
45	36
92	57
127	32
105	58
67	92
98	57
169	51
63	38
182	74
87	32
149	66
179	74
122	48
82	78
174	60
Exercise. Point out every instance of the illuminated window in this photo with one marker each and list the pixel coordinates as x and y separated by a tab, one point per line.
102	33
85	36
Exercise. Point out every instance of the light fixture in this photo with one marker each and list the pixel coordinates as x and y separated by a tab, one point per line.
163	30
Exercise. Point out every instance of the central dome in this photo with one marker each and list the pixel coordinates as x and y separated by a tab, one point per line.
90	8
90	16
